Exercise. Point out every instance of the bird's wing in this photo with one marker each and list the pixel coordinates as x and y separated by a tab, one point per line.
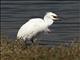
31	28
35	25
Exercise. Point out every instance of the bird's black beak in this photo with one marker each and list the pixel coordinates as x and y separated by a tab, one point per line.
59	18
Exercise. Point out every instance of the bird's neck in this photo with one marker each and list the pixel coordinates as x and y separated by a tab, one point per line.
48	21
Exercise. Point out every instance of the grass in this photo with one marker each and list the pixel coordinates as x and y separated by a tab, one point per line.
11	50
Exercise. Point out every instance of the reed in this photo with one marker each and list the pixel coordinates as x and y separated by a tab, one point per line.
11	50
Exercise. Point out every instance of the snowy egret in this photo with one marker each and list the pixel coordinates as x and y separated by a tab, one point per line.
33	27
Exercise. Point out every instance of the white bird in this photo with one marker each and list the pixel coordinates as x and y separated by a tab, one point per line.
30	29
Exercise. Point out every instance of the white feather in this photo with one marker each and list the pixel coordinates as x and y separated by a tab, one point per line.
35	25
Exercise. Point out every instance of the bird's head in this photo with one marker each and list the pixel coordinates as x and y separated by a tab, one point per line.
52	16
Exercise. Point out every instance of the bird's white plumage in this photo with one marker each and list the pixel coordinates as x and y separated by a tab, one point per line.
31	28
35	25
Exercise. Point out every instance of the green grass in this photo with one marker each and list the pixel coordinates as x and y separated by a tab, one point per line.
11	50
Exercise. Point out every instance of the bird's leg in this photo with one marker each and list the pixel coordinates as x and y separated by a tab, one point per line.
48	30
33	40
25	42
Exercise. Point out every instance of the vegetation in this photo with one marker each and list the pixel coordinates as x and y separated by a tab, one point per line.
11	50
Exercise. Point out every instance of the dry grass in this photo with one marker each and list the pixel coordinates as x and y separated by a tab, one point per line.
11	50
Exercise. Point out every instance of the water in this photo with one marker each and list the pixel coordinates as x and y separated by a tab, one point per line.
16	13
